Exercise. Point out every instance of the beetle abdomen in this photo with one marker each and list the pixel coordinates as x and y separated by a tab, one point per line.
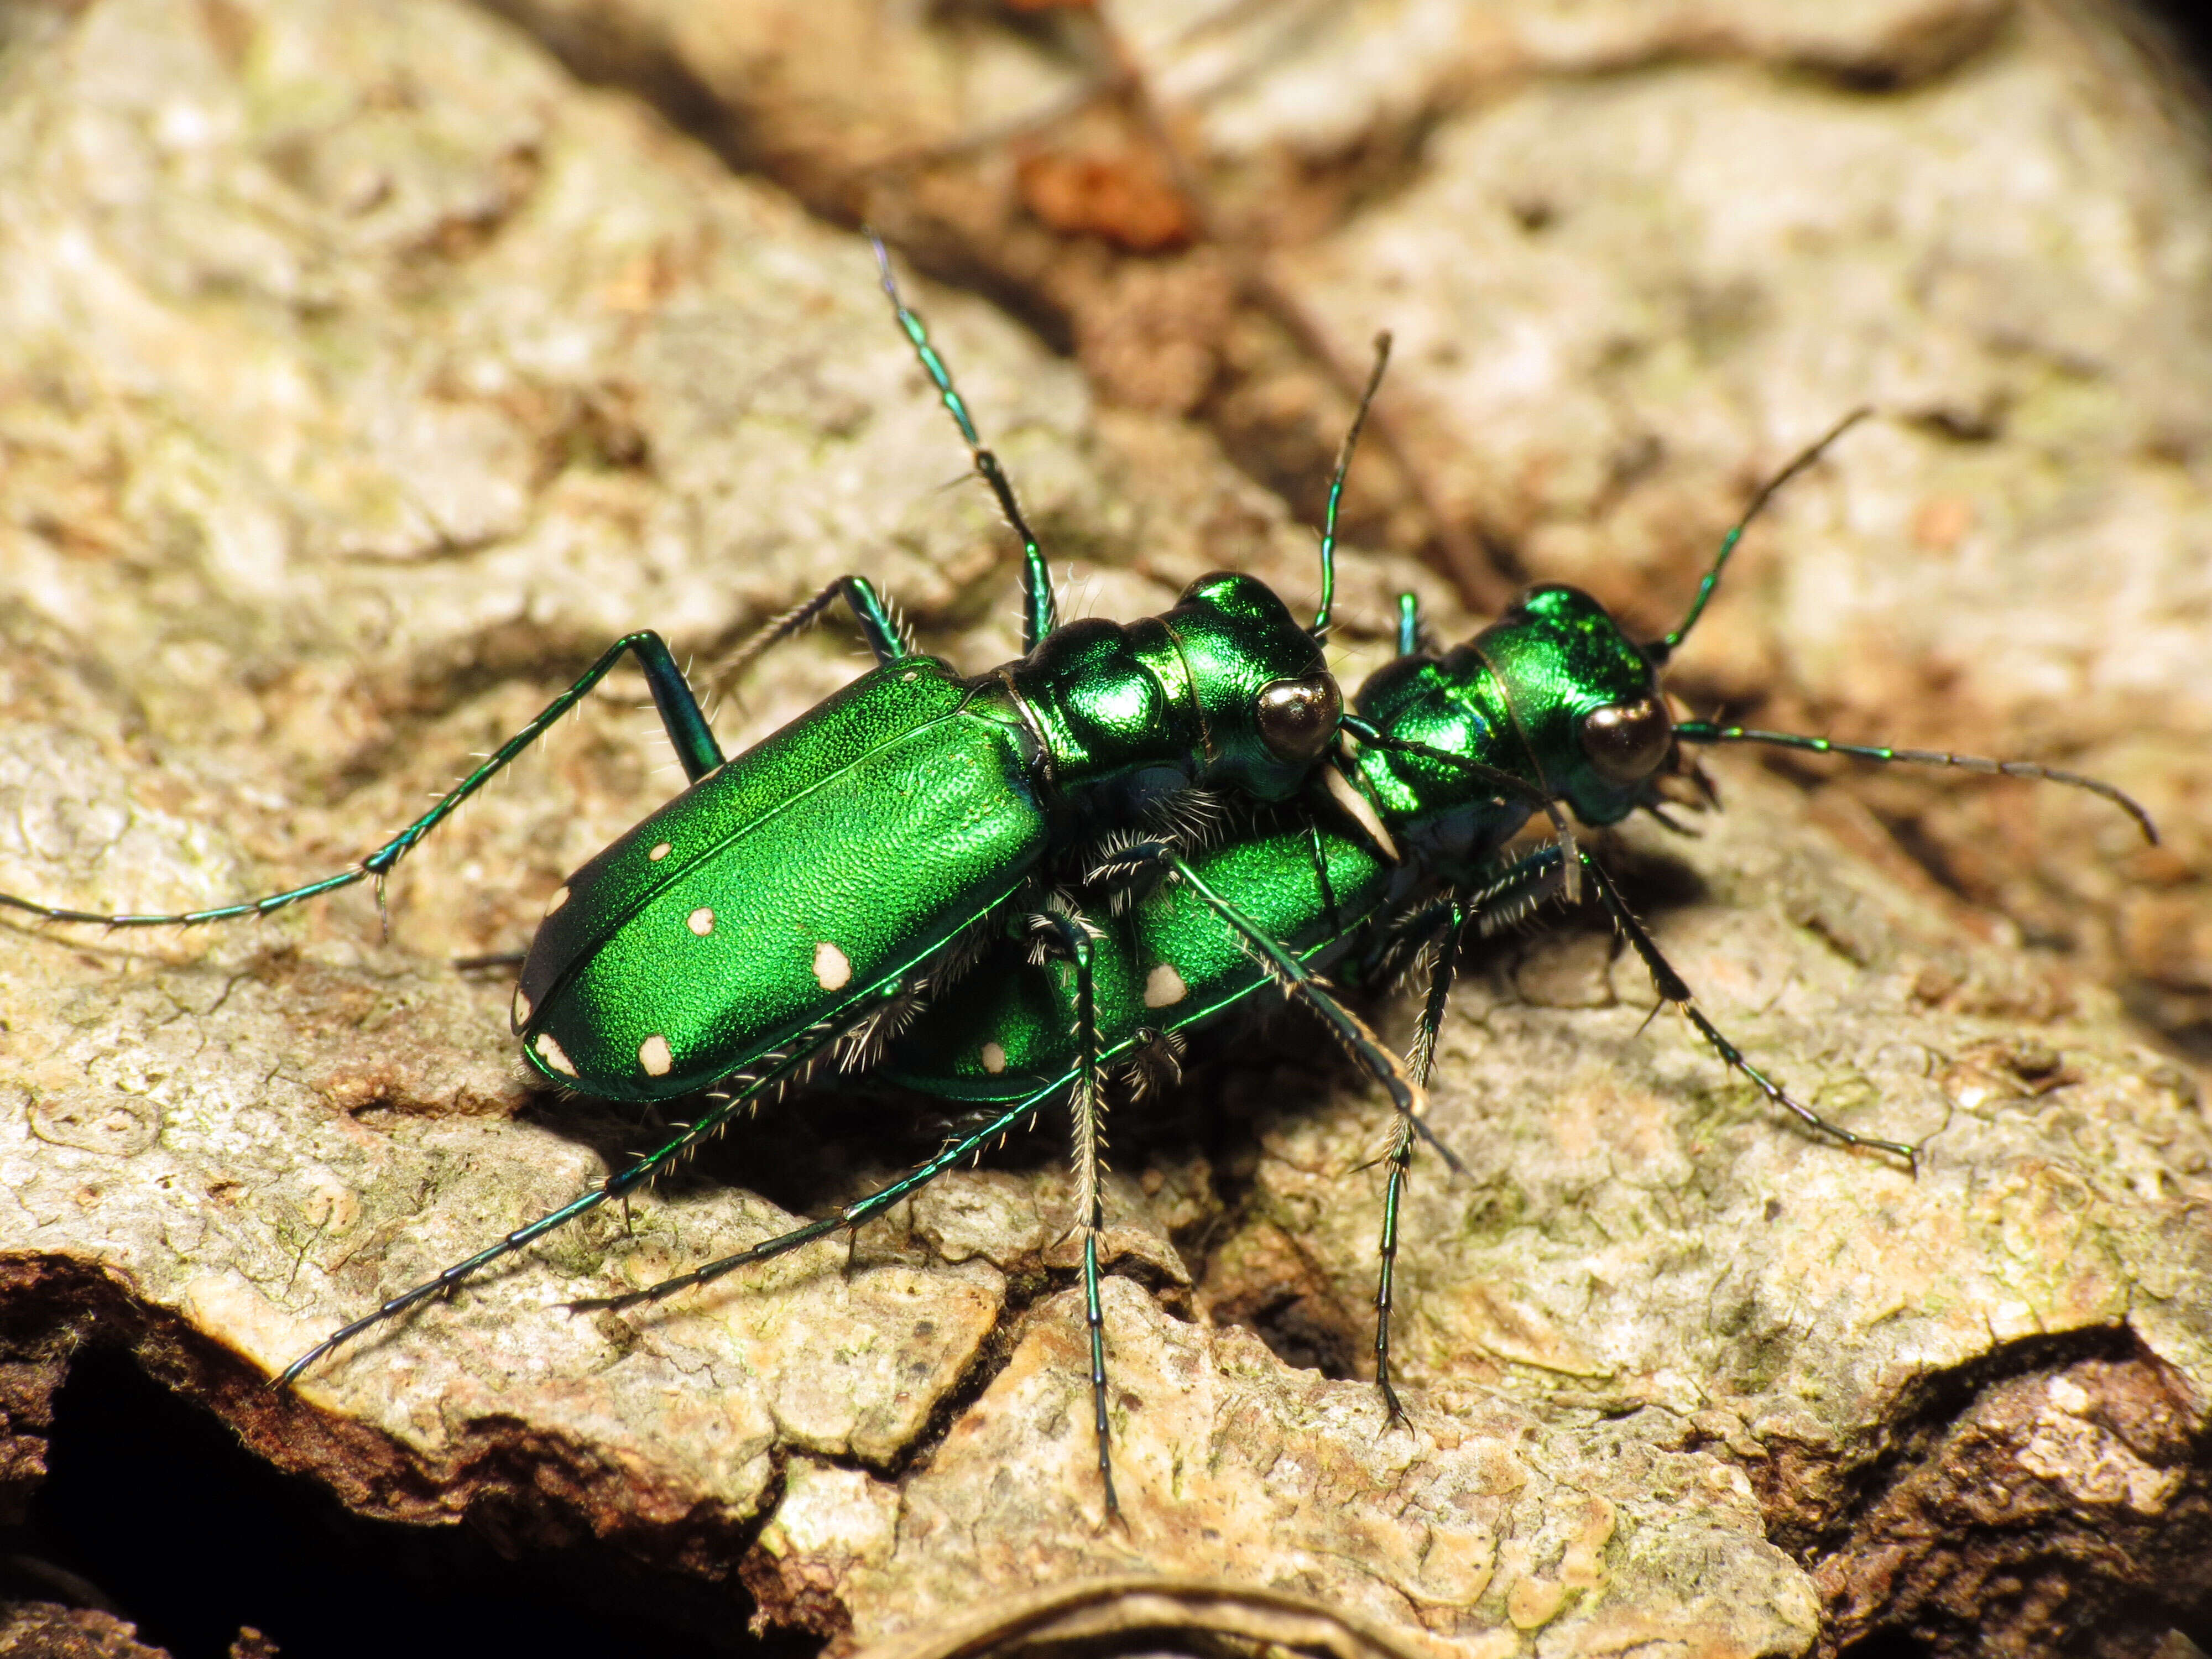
1166	963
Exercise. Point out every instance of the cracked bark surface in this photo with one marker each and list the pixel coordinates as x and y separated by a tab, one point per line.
365	373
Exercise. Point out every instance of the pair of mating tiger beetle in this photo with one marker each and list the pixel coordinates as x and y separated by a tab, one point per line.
996	888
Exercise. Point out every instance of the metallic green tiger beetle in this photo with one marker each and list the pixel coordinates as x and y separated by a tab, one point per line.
794	903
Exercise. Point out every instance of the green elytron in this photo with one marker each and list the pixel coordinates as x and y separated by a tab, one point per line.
830	865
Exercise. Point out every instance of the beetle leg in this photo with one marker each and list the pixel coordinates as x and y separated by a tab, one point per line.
1509	787
851	1215
1448	923
1040	613
1299	982
1412	633
1401	1155
1419	1060
1673	988
1400	1159
776	1072
1512	891
1326	889
1071	940
680	716
489	960
1156	1062
880	624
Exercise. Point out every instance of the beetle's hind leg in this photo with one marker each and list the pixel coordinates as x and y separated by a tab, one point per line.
619	1185
680	716
850	1216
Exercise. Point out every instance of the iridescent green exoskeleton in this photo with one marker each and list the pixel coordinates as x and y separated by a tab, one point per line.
800	885
1405	846
793	900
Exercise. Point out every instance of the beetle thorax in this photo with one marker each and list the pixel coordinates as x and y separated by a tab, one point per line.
1225	690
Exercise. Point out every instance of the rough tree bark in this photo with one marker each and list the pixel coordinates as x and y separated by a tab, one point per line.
364	369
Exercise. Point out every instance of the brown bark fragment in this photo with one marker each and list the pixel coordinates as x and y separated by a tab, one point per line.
2066	1503
45	1630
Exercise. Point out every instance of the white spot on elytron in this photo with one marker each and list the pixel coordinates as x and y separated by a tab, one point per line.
994	1059
559	897
831	970
521	1009
1164	987
909	677
658	853
703	921
653	1054
550	1052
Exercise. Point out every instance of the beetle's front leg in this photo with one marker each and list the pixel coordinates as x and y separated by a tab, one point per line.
1673	988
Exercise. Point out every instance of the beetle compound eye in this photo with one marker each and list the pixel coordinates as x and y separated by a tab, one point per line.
1625	741
1299	718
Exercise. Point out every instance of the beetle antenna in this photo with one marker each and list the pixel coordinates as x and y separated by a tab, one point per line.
1659	650
1320	628
1707	731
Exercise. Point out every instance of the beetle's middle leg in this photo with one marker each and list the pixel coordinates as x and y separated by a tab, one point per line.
1067	936
1448	924
1399	1158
